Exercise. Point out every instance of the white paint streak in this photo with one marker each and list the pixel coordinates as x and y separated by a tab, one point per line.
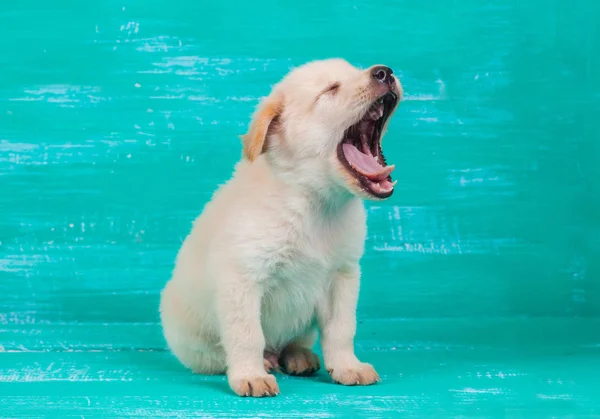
555	396
470	390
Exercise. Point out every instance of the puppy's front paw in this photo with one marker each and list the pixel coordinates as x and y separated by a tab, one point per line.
360	374
299	361
261	386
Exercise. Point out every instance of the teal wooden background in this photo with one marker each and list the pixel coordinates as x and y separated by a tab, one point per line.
481	289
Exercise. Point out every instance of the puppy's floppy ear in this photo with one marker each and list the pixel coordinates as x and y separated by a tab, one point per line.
268	110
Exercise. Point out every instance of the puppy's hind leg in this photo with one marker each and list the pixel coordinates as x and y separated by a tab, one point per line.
201	359
297	358
193	343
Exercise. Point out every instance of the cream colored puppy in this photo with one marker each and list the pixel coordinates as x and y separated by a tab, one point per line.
274	257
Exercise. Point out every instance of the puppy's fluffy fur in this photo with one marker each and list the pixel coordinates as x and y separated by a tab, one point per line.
274	257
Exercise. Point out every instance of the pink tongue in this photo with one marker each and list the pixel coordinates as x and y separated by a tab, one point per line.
366	165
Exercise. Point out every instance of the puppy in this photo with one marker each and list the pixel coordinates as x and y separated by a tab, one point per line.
273	259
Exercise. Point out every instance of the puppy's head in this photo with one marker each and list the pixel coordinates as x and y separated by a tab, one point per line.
322	125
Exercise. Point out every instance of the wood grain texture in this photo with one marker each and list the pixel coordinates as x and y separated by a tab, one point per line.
481	287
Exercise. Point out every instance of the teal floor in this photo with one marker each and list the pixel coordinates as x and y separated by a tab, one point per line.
123	370
480	294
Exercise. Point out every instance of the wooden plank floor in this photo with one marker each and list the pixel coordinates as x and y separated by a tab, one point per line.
480	294
74	370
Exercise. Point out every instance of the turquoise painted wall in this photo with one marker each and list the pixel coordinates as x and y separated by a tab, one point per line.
118	119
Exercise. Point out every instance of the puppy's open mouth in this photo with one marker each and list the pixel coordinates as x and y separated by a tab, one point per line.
360	151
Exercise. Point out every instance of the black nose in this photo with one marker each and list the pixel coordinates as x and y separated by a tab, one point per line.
382	74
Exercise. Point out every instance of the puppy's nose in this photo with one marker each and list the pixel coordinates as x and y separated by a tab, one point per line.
382	74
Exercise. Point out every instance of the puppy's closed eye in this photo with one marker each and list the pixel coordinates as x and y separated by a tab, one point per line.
331	89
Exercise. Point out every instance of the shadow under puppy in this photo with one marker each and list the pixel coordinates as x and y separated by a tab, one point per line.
274	257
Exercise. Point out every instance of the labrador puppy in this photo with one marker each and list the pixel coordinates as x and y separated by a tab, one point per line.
273	259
